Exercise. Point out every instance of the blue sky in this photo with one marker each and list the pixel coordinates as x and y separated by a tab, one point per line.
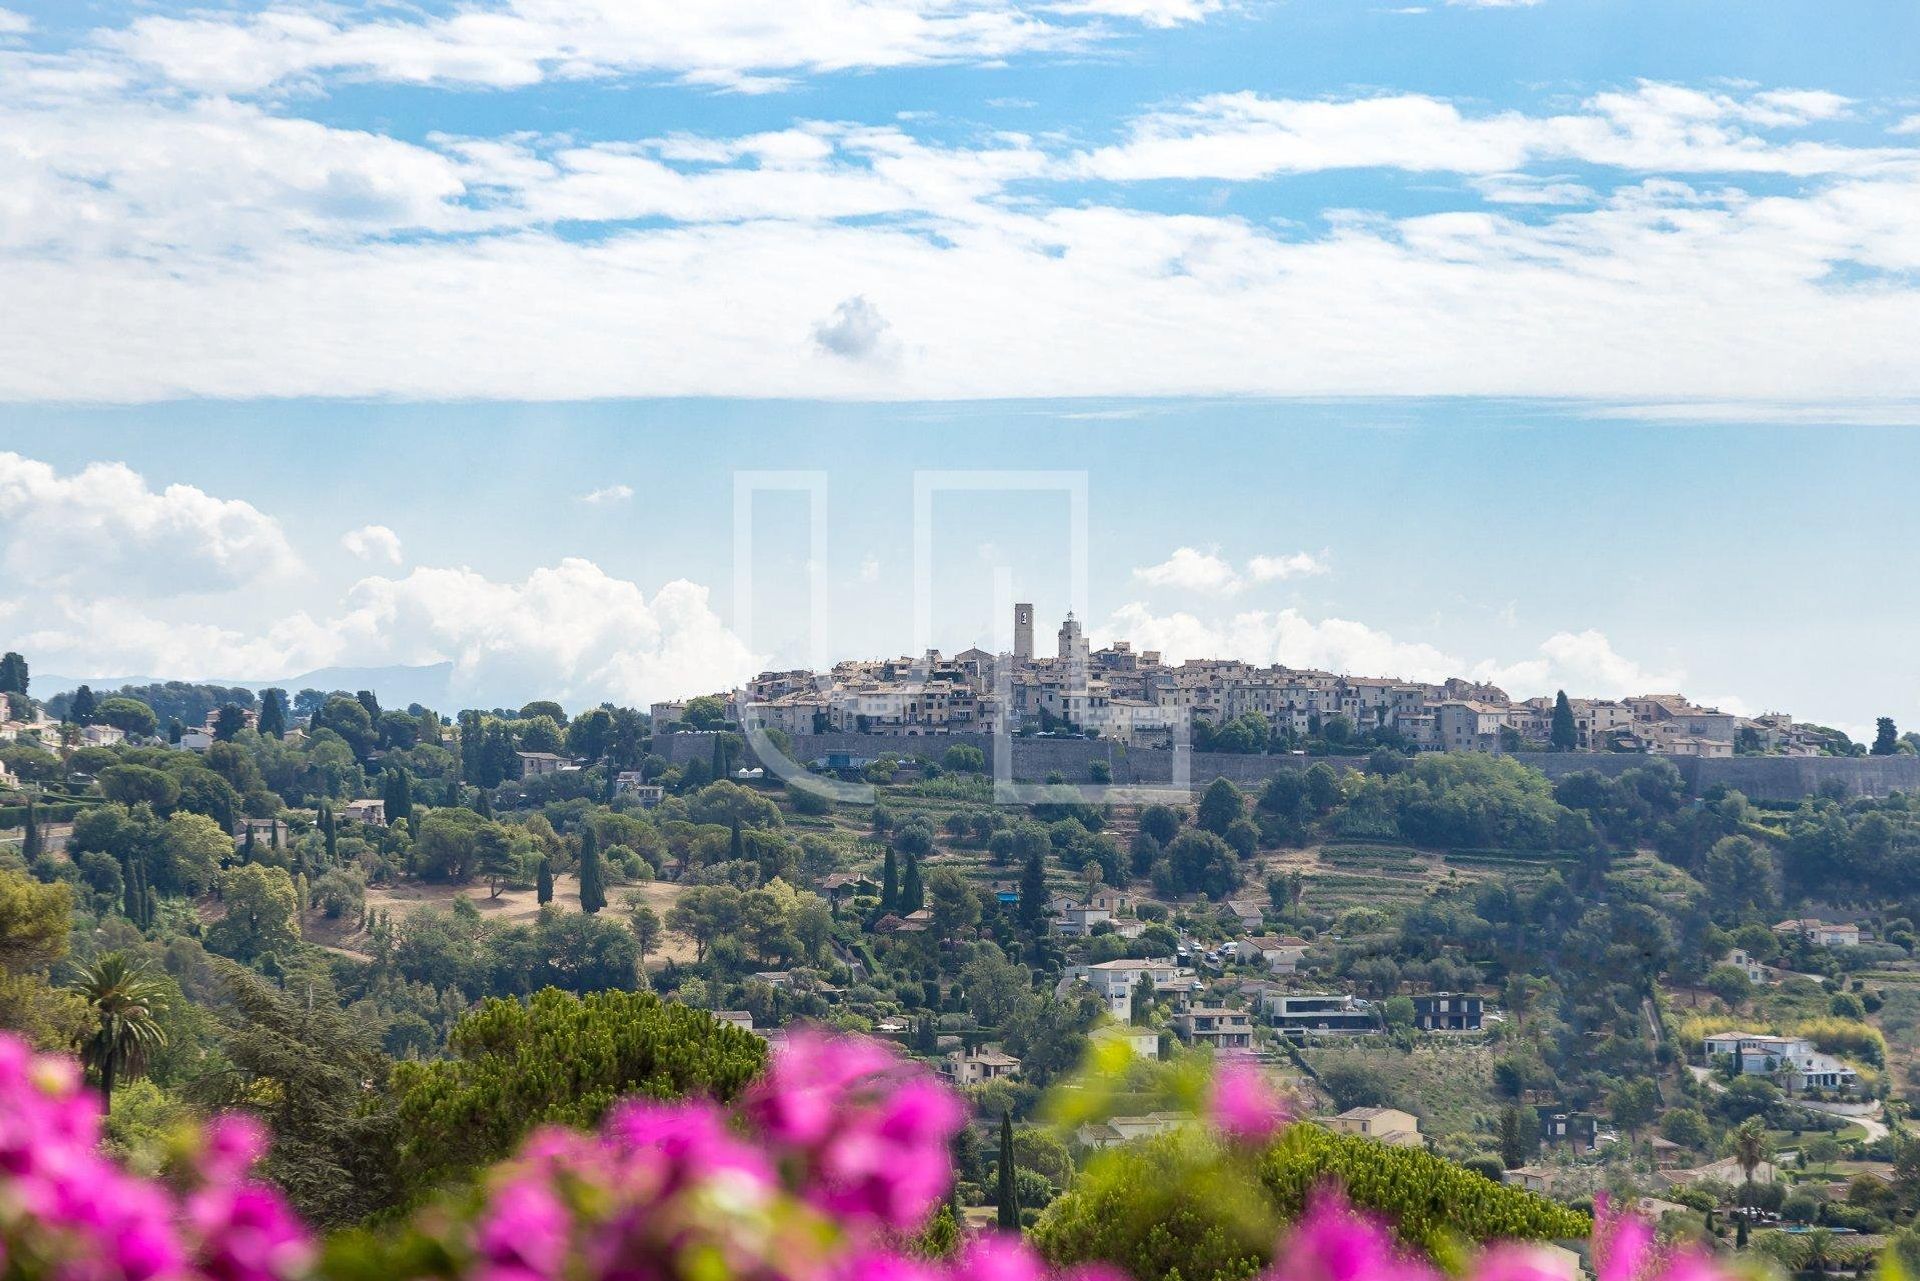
1561	342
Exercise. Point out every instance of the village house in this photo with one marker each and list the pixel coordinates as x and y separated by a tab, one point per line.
1142	1042
631	782
367	810
1387	1125
540	764
1819	933
1280	954
1116	1130
1448	1012
1762	1054
1116	981
1302	1014
978	1066
1214	1025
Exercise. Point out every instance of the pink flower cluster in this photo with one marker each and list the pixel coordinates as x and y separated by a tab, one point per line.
68	1212
823	1173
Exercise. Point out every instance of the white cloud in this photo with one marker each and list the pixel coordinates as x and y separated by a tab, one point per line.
373	542
1655	128
1287	637
1266	569
1189	569
13	23
870	569
105	527
1493	4
608	494
856	331
569	631
1584	664
739	44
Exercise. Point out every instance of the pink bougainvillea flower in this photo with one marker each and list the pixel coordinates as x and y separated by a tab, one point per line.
1334	1242
1241	1105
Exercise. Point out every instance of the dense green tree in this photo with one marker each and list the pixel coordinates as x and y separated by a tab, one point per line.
273	713
314	1074
1202	863
35	924
13	673
913	895
543	882
556	1059
1563	732
396	789
262	913
82	706
140	785
1519	1135
1220	805
228	722
1007	1200
1033	894
128	715
1886	737
124	1004
889	881
593	887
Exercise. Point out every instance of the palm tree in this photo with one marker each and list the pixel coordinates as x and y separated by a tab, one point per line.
1750	1147
1816	1251
122	999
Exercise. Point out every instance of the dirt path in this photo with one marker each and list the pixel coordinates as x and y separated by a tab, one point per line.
511	906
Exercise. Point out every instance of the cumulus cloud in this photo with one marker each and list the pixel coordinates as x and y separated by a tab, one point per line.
13	23
373	542
105	526
1654	127
1266	569
608	494
1582	663
569	630
1585	663
1285	636
855	331
1189	569
744	45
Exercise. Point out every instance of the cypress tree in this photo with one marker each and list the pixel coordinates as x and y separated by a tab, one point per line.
736	847
543	887
1009	1199
1033	892
453	792
30	847
912	896
889	882
719	759
593	890
326	828
246	846
1563	734
486	804
273	714
130	892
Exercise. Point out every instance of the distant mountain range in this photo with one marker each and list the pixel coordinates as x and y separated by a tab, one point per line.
395	686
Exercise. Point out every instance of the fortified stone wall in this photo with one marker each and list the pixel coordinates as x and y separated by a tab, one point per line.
1764	778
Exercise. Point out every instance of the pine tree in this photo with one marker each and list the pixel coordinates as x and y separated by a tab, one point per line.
543	886
1009	1199
1033	893
912	896
889	882
593	890
1565	737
